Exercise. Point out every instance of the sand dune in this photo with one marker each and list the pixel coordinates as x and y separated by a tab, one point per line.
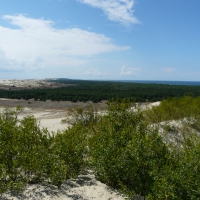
85	187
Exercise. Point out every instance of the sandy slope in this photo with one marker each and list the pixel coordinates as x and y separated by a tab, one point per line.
85	187
49	113
50	119
16	84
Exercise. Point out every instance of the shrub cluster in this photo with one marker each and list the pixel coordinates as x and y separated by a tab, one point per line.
175	108
120	146
131	156
29	154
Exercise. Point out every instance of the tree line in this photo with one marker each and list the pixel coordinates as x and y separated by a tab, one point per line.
97	91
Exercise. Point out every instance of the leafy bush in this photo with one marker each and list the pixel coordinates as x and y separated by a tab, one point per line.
29	154
130	155
175	108
12	176
71	149
82	116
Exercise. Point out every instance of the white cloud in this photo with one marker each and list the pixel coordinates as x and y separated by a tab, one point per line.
94	72
35	43
129	71
116	10
168	70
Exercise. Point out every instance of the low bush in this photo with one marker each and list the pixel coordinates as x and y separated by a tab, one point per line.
175	108
30	154
131	156
125	153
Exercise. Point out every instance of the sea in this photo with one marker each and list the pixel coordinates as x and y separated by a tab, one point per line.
194	83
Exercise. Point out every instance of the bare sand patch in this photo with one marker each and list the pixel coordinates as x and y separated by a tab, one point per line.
49	113
85	187
16	84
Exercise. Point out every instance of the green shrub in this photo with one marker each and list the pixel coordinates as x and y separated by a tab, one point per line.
122	148
71	149
125	153
29	154
128	154
175	108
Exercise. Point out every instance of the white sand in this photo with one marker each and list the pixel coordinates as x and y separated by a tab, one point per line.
150	105
144	106
50	119
25	83
85	187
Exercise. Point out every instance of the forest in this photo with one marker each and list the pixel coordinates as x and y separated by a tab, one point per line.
97	91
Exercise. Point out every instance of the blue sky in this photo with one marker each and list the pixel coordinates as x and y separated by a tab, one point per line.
100	39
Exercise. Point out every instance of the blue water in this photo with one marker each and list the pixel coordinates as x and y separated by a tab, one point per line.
197	83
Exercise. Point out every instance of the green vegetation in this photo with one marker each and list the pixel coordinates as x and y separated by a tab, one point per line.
124	148
174	109
103	90
129	154
29	154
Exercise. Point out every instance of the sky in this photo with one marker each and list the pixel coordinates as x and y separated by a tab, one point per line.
100	39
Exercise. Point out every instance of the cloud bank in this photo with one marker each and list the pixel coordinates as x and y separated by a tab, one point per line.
116	10
35	43
94	72
168	70
129	71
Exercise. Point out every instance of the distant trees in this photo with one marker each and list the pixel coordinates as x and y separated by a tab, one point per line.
97	91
